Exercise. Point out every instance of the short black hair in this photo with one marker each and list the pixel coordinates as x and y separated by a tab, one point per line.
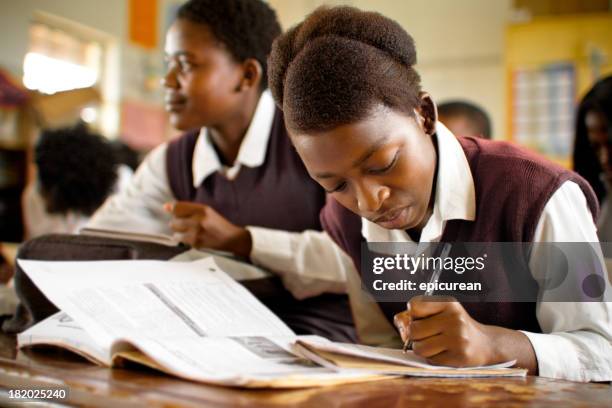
126	155
586	163
246	27
336	65
477	116
77	169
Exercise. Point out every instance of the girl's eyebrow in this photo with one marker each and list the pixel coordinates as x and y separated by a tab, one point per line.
368	153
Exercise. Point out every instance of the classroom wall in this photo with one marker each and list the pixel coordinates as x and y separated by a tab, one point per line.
464	58
466	62
108	17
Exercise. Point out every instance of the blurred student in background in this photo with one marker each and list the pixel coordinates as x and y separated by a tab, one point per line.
593	148
465	119
76	170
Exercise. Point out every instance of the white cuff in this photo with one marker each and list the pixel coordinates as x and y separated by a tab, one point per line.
557	356
270	246
306	262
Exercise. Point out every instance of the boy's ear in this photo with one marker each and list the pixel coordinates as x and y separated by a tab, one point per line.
252	74
428	113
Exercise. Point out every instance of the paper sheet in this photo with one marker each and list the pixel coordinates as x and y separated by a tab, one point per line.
388	355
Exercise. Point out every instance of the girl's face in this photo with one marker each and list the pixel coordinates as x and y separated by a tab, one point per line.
202	77
597	129
381	168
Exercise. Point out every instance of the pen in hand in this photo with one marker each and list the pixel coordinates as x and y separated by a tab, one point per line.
434	278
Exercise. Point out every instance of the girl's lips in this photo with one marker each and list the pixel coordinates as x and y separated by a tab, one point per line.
175	106
175	102
393	220
389	215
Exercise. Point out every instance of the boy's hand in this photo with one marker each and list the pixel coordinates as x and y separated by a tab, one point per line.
445	334
201	226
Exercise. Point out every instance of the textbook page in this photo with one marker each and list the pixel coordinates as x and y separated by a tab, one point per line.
62	331
235	267
113	299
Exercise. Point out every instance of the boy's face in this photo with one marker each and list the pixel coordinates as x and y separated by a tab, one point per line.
202	77
381	168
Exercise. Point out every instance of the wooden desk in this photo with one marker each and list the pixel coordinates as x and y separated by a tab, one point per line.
94	386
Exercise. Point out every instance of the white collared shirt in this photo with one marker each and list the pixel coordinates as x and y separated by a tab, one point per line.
576	339
139	207
252	152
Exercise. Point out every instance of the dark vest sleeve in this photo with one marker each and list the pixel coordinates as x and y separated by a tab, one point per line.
344	227
179	159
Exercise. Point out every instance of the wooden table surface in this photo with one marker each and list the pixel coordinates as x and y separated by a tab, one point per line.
94	386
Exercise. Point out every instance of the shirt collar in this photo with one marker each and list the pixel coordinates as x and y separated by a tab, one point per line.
455	196
252	151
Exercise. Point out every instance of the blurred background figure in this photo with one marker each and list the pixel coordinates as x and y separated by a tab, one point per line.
76	170
465	119
593	148
126	156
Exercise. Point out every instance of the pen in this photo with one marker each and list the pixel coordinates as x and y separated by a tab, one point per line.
434	277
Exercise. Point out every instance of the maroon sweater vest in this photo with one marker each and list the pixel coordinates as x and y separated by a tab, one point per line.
512	186
279	194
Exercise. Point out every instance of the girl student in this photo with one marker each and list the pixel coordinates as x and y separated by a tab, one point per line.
232	181
593	148
368	134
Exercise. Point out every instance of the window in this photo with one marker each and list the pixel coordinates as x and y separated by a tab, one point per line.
58	61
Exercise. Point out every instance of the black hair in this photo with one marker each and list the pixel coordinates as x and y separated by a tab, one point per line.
126	155
76	169
336	65
477	117
586	162
246	27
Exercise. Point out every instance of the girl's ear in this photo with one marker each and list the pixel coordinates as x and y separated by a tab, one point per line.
252	75
428	113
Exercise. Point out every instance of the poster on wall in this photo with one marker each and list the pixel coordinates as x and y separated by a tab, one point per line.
143	23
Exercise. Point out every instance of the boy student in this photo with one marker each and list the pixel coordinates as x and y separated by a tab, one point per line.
355	112
465	118
235	166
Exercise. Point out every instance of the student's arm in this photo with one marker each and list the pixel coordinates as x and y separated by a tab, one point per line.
139	206
576	339
309	262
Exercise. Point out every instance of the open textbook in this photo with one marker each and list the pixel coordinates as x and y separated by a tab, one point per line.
191	320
